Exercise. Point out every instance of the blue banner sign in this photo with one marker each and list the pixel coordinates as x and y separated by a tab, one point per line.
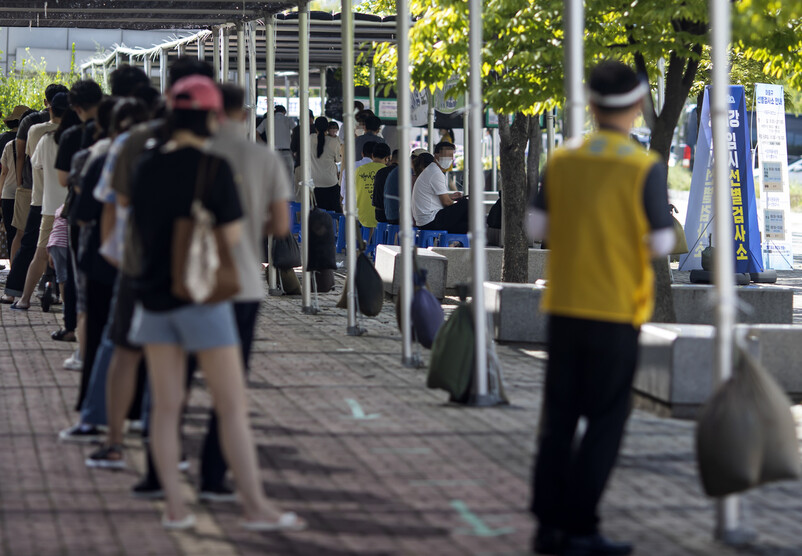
701	210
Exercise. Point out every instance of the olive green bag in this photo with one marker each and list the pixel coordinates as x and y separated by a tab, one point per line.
451	362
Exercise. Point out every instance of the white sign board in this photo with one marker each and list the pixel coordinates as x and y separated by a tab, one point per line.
775	195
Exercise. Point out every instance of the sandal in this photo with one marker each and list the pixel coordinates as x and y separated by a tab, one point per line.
7	300
289	521
63	335
16	307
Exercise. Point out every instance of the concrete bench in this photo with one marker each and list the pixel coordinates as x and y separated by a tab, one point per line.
515	312
388	265
675	366
459	264
693	304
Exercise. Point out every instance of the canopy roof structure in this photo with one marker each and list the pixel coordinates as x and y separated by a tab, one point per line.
325	41
132	14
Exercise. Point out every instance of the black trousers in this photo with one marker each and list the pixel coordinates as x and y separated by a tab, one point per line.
213	464
98	303
15	283
453	218
328	198
7	206
589	374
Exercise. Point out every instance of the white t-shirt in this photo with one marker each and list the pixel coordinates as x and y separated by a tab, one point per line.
283	130
261	179
44	158
324	169
425	195
7	161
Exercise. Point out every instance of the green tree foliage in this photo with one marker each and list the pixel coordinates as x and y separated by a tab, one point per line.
27	85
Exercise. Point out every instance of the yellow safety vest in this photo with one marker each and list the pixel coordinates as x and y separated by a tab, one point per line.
599	267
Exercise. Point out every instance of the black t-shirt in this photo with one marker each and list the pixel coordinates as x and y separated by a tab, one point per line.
73	140
88	210
378	191
163	186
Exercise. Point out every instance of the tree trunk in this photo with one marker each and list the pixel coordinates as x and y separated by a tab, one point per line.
514	197
679	79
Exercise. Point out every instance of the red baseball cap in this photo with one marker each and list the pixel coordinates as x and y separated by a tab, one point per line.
196	92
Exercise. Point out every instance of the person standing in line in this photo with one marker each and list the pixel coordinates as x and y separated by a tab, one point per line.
264	190
163	187
8	172
603	207
325	157
283	132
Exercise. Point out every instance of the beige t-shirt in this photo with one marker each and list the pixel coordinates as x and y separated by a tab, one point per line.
324	168
35	134
7	160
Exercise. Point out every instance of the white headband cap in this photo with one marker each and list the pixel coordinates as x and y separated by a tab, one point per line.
620	100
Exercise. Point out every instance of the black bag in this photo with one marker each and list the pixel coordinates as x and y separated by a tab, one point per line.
322	255
324	279
369	287
286	252
494	216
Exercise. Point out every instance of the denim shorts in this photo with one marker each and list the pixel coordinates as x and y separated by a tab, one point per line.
61	258
193	327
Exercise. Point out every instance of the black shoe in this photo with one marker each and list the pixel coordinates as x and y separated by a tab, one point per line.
219	493
594	545
547	540
147	489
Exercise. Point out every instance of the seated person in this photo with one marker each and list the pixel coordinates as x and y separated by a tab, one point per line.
378	187
363	181
433	206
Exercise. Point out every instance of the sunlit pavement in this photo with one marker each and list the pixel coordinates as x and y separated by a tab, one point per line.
356	444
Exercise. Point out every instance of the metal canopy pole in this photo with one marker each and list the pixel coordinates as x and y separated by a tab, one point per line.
162	70
201	49
727	508
349	162
118	59
550	132
148	66
323	90
303	85
574	64
224	54
372	89
270	126
477	219
430	124
405	183
216	53
241	54
182	48
466	134
252	98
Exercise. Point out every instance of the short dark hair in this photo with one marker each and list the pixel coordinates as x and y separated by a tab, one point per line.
195	121
85	94
127	113
186	66
612	77
280	108
420	162
52	90
334	125
233	96
358	105
367	148
126	79
444	145
103	119
373	123
381	150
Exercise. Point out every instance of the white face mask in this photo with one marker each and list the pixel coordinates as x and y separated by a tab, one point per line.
360	131
445	163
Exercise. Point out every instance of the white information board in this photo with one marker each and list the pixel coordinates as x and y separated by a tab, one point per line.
775	195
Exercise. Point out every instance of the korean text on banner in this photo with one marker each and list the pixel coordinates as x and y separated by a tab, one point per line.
746	239
775	195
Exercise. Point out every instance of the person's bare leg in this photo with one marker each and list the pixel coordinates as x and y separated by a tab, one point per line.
120	390
35	271
166	373
80	333
222	370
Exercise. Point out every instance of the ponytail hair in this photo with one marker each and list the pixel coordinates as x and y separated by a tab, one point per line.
322	127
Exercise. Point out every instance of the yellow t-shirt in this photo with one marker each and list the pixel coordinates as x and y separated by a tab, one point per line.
363	179
599	266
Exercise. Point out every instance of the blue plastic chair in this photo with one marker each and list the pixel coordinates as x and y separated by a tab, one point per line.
430	238
340	233
447	239
391	236
380	236
368	237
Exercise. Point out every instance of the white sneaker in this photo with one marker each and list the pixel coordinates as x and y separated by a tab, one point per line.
73	362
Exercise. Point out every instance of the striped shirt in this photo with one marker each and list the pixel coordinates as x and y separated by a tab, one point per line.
59	235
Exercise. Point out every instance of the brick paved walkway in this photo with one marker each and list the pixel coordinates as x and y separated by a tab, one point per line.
354	442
